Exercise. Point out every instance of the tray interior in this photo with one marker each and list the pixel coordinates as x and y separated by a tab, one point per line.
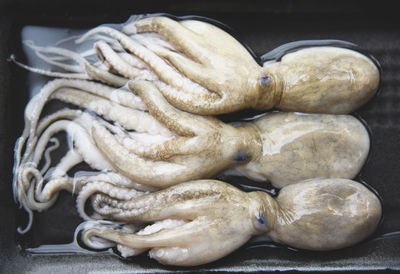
262	28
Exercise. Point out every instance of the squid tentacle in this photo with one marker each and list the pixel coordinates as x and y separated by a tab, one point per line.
182	37
36	104
120	65
133	61
66	75
59	54
27	175
89	71
165	72
157	174
130	119
64	114
162	204
184	124
168	148
159	107
111	190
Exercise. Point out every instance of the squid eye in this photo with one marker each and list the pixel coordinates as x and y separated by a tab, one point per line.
236	124
265	80
241	156
261	219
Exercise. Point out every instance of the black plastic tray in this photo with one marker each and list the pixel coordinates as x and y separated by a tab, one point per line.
262	25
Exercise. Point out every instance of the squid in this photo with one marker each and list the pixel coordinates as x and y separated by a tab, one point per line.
283	148
198	222
202	69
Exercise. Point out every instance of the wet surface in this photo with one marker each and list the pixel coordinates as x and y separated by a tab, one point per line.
262	32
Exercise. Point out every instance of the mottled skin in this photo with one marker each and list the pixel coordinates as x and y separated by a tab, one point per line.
324	80
302	146
320	214
316	80
281	147
336	212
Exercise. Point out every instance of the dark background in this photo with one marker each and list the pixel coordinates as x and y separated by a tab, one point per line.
262	25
